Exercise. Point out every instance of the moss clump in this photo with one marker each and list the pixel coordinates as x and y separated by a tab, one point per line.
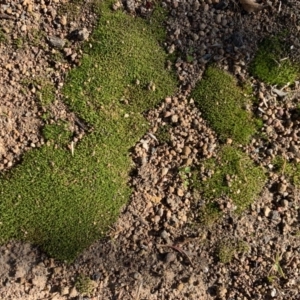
228	248
222	103
3	37
233	175
271	64
57	133
163	133
210	214
64	202
84	284
290	169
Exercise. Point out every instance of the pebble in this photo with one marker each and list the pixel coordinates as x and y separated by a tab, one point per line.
174	118
267	211
56	42
170	257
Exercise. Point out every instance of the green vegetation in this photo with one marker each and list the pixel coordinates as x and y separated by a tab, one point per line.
84	284
233	175
184	173
228	248
223	104
46	94
64	201
163	133
45	89
276	271
57	133
271	63
290	169
209	214
3	37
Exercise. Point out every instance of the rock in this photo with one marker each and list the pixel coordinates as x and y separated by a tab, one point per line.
64	291
180	286
73	292
79	35
170	257
20	271
267	211
279	92
180	192
39	281
165	235
237	39
174	118
63	20
56	42
187	150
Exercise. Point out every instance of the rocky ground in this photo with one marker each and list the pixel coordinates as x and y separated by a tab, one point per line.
156	250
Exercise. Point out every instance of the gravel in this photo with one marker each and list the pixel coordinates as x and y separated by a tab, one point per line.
156	250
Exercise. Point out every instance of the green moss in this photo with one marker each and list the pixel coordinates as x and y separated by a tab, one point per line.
228	248
234	176
271	63
163	133
46	94
290	169
3	36
223	104
57	133
209	214
84	284
64	202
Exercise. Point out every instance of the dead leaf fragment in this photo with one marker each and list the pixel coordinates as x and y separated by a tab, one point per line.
251	6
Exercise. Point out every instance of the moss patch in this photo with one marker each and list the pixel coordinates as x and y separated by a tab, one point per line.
233	175
64	202
223	104
228	248
271	63
290	169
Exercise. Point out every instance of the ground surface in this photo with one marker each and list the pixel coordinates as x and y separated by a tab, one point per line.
157	249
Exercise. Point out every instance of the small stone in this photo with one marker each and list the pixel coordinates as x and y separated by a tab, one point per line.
267	211
222	292
165	235
273	293
174	119
187	150
229	141
117	5
219	18
64	291
137	276
170	257
164	171
279	93
73	292
56	42
63	20
180	192
23	27
180	286
282	188
79	34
